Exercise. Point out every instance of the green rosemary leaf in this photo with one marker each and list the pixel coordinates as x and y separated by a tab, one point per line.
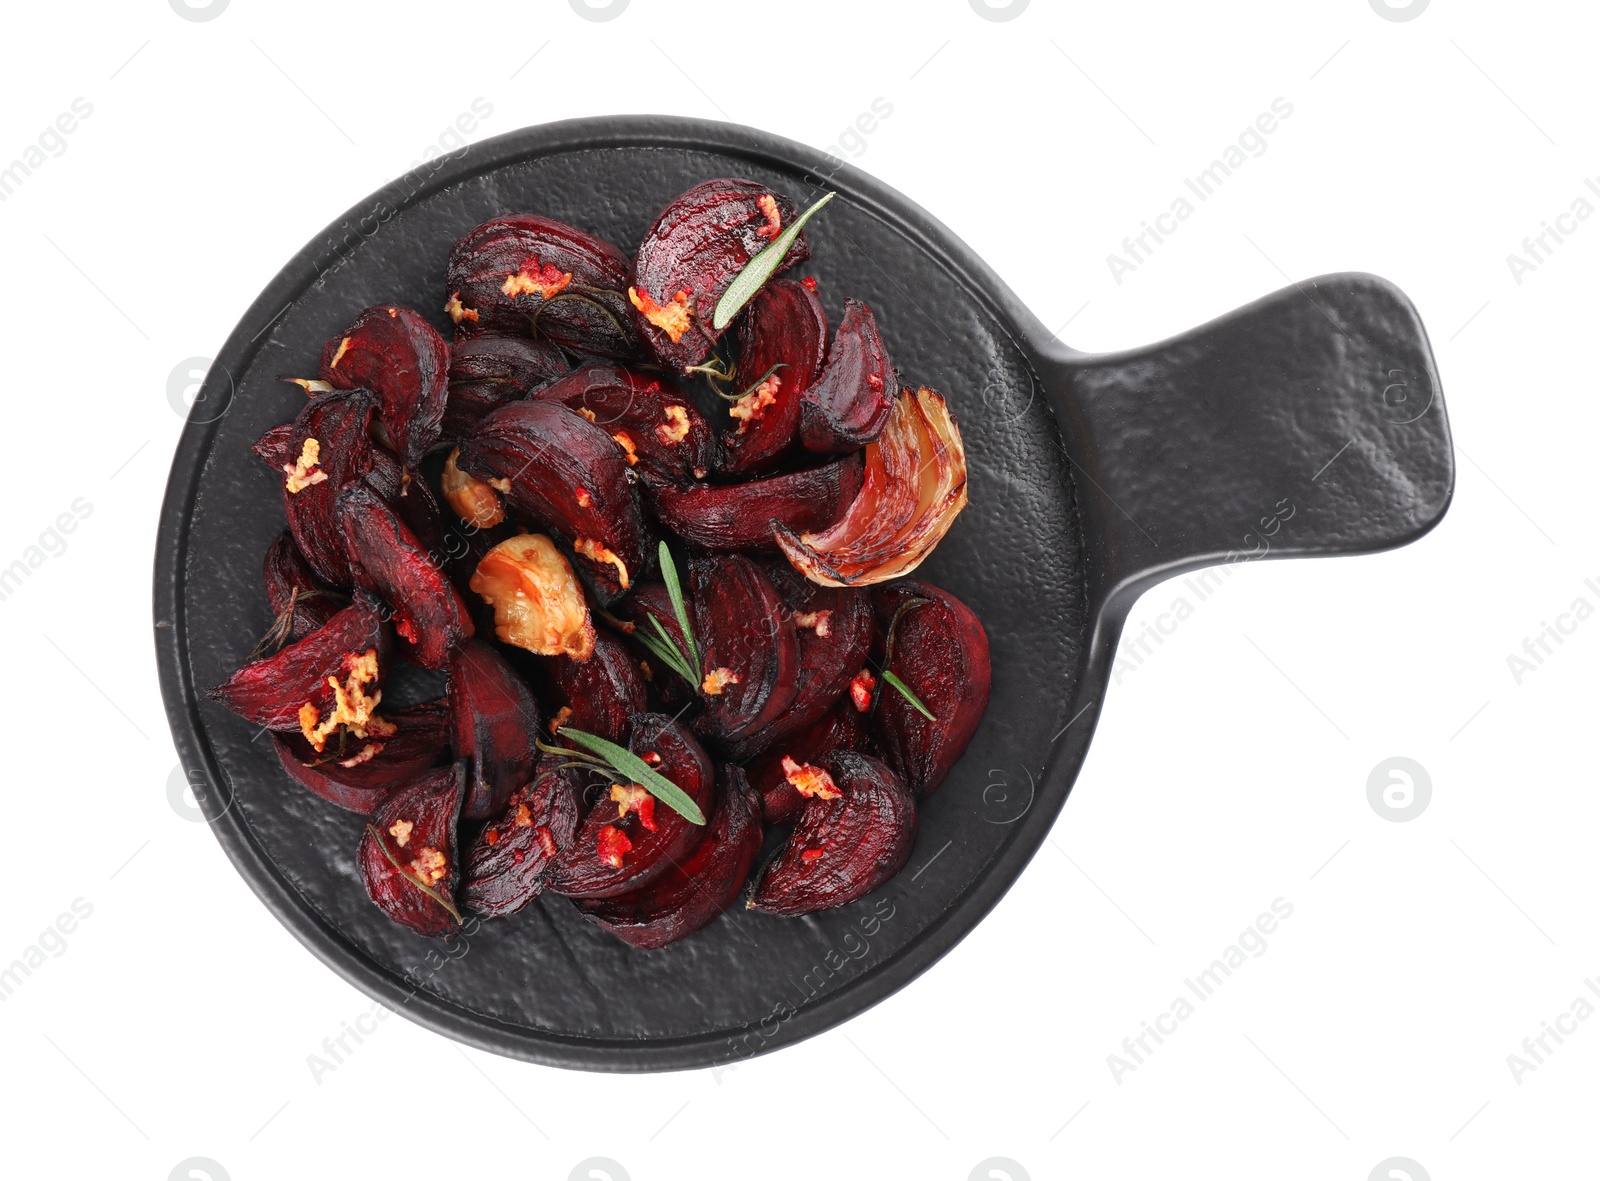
638	771
759	269
669	575
665	650
908	694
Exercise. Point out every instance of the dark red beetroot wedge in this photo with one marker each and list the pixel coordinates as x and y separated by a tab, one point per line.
327	447
493	725
629	838
695	249
358	780
562	470
651	601
748	649
292	583
352	649
783	341
600	695
486	372
852	837
410	497
408	853
521	272
835	627
276	446
662	434
691	894
939	649
842	728
509	861
849	405
741	516
387	559
395	353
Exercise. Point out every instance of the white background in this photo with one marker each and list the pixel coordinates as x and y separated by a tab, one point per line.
1230	768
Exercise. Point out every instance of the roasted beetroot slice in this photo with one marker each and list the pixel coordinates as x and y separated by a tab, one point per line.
399	356
277	446
783	342
358	781
843	727
601	695
408	853
616	852
327	448
272	691
521	272
743	516
411	497
291	582
663	436
388	560
691	894
835	627
941	652
486	372
565	472
509	861
843	847
749	651
493	724
695	249
849	405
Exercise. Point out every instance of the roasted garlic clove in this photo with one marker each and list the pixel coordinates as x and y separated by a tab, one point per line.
473	500
538	604
914	485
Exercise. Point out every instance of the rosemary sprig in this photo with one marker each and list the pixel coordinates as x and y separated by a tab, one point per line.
414	880
669	575
906	692
756	386
625	762
759	269
665	650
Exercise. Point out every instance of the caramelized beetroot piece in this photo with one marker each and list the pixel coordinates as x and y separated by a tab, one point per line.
696	247
326	448
783	342
600	695
509	861
359	779
351	649
410	497
565	472
394	352
691	894
939	649
387	558
663	436
749	652
408	853
835	628
493	724
913	487
291	582
842	728
520	270
629	838
486	372
849	405
743	516
854	834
